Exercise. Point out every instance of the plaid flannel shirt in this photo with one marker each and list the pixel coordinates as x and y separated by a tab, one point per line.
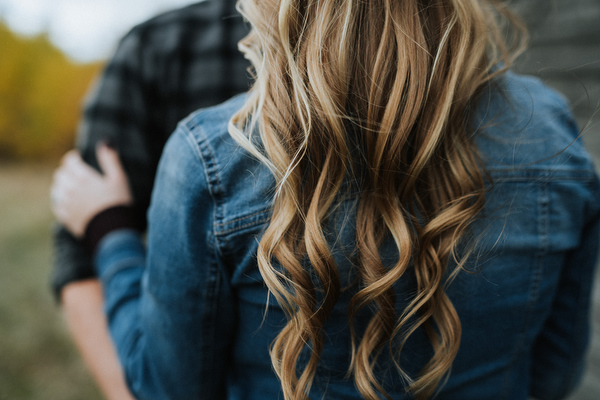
161	71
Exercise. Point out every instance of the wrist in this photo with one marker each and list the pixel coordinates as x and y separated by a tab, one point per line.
109	220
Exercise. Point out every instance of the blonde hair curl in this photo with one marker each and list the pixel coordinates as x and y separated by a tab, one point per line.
402	76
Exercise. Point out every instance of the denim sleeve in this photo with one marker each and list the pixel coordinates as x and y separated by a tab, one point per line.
559	352
170	311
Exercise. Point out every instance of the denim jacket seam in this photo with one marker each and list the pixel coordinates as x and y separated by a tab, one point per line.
212	296
536	277
197	139
510	175
241	218
206	157
256	222
583	318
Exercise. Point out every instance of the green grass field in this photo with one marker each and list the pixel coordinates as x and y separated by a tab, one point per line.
37	358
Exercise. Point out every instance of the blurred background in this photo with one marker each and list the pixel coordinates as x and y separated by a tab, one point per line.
50	52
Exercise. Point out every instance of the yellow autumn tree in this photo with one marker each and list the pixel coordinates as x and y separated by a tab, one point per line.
41	91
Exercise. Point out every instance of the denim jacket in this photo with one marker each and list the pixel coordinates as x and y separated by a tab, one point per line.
191	317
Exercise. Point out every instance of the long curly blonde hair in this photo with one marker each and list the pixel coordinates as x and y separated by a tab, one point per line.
378	92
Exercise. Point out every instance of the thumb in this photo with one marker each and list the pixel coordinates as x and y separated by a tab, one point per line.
109	161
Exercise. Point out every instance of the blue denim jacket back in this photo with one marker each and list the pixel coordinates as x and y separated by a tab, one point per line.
192	317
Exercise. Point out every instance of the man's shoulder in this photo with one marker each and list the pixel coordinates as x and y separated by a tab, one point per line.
207	10
184	59
183	26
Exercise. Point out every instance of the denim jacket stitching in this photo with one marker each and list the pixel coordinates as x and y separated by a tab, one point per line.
205	156
197	146
212	296
583	319
256	222
239	218
534	286
540	174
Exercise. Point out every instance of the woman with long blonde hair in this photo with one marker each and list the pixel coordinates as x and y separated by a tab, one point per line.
388	213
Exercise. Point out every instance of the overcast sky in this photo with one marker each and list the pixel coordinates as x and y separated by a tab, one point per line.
86	30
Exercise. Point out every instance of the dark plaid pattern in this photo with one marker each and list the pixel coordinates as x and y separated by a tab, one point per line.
162	70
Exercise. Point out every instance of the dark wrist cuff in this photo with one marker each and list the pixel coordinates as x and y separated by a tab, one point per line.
111	219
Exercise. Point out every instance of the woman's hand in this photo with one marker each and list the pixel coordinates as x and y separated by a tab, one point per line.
79	192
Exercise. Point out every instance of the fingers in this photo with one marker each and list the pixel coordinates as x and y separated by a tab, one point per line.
73	167
79	192
67	180
71	177
109	161
60	196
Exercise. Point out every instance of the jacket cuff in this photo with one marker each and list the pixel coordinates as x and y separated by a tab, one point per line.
109	220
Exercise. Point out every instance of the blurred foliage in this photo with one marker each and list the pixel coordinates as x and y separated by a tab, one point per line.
38	360
41	91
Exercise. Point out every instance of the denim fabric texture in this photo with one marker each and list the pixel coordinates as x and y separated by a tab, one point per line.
187	313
